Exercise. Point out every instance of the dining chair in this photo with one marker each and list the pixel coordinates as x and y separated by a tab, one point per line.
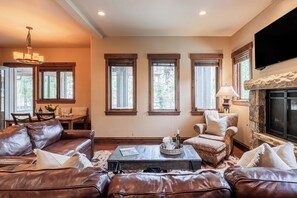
45	116
21	118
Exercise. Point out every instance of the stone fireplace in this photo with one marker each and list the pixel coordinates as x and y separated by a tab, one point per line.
257	110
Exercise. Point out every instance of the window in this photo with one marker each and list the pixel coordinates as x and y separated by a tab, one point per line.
17	94
206	80
23	89
164	84
242	71
56	83
120	84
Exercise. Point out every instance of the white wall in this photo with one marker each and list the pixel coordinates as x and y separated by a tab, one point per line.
143	125
246	35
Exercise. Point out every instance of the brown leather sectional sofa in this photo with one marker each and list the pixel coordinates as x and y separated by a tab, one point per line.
91	182
18	142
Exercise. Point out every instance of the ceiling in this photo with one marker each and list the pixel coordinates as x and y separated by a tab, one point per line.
52	26
69	23
170	17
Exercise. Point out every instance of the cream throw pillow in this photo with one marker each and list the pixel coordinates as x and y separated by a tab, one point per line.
251	158
216	126
271	159
286	153
78	160
213	113
81	111
48	160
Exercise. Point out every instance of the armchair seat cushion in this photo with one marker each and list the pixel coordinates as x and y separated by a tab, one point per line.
210	146
212	137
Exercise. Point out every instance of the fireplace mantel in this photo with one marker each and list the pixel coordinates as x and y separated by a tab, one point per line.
277	81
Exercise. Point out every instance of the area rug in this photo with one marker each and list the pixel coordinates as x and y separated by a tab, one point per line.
100	160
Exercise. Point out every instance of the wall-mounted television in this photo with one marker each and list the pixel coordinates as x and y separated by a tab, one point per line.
277	42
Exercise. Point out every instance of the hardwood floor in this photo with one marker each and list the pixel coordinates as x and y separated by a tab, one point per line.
237	151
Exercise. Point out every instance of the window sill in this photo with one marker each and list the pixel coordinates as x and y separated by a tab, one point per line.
197	112
241	102
53	101
164	113
121	112
201	111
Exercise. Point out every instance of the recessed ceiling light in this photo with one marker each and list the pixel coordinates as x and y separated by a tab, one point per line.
101	13
202	12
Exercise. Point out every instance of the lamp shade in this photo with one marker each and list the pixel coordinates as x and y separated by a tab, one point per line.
226	91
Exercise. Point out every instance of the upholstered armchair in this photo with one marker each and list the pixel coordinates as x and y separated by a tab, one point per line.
231	130
214	141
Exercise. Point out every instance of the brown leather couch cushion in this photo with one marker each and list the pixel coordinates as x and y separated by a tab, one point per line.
262	182
61	183
207	184
45	133
70	146
14	141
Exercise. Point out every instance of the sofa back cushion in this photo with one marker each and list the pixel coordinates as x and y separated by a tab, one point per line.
262	182
205	184
69	182
45	133
14	141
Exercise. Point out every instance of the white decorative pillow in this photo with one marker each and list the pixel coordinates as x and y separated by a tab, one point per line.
77	160
65	110
48	160
251	158
216	126
286	153
81	111
271	159
213	113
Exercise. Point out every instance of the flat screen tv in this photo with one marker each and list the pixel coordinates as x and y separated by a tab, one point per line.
277	42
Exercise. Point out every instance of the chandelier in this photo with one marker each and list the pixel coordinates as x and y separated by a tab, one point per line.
29	57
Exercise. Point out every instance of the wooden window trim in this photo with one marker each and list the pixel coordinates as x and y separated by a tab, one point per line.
120	112
56	67
195	57
165	112
15	65
237	56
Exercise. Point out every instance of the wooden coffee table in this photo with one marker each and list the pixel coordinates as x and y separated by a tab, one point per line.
150	157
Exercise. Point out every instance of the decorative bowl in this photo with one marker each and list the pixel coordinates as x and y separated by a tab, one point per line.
175	151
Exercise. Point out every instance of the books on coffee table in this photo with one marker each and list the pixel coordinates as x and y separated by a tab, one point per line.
129	151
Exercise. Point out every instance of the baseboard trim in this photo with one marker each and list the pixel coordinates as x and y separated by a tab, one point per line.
131	140
241	146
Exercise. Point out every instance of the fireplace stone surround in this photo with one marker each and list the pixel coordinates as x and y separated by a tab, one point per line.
257	108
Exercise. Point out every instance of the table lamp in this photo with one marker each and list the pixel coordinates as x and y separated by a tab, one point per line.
226	92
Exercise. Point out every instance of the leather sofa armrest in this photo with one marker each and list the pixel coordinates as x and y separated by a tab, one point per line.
14	160
200	128
72	134
268	182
